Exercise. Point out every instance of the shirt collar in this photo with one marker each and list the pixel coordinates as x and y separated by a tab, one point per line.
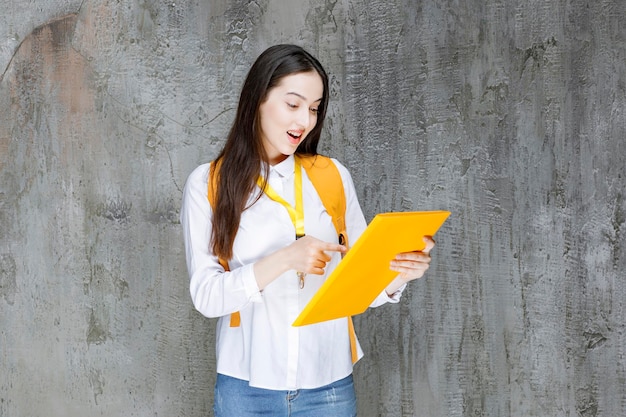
285	168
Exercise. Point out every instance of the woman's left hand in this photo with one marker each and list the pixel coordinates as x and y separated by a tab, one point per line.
413	265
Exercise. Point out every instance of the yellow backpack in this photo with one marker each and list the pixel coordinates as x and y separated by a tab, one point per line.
326	179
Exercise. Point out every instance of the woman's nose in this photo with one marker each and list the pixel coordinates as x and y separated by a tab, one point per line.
305	118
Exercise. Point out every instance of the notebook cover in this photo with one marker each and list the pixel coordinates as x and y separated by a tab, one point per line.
364	271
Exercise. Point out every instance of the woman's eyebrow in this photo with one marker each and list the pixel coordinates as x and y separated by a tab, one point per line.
301	96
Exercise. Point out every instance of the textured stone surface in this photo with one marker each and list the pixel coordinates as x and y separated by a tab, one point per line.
509	114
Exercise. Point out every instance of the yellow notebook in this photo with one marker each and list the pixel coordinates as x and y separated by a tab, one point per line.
364	272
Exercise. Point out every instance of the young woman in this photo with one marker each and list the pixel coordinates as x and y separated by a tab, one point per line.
246	265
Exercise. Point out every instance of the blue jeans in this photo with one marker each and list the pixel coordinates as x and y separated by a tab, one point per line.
236	398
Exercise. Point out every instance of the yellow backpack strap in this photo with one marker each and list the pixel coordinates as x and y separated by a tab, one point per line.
235	318
326	179
353	350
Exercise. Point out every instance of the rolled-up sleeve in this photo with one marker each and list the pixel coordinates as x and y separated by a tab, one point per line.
214	291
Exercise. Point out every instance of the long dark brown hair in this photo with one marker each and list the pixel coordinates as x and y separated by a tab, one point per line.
243	155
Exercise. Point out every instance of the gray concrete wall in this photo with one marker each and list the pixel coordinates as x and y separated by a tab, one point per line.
510	114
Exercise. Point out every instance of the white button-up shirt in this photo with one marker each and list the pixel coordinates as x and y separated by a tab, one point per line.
266	349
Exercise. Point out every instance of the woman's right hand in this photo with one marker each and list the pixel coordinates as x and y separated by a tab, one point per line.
307	255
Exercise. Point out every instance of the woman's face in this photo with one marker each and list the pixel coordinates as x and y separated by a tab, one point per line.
289	113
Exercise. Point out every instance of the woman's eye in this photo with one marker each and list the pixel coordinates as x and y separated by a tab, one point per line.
293	106
314	111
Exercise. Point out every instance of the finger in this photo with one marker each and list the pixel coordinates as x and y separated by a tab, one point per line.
430	244
320	264
410	271
413	256
317	269
324	257
333	247
410	265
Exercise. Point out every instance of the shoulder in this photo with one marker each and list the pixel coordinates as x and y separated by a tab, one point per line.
198	178
343	171
194	201
323	162
341	167
200	173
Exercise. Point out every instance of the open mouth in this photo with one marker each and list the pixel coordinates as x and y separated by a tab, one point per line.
294	135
